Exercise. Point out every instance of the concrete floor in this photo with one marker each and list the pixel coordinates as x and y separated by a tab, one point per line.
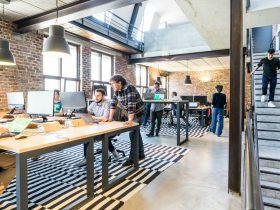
197	182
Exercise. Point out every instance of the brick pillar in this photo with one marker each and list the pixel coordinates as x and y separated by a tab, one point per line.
86	71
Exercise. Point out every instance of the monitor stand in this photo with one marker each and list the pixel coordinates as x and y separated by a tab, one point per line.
42	119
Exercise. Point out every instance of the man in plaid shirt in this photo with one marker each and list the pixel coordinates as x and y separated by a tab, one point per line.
132	105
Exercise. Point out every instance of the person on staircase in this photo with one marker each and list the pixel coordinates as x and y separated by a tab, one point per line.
270	66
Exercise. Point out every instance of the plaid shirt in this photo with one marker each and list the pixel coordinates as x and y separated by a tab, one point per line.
129	99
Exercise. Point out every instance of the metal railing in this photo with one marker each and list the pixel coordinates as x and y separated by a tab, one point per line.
115	28
250	54
253	196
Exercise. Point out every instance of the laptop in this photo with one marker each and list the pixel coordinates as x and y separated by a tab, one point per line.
148	96
193	104
87	118
159	96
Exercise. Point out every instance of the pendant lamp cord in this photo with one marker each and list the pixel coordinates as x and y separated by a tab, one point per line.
56	12
3	21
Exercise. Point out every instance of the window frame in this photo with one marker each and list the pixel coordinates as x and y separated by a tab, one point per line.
142	87
100	82
61	78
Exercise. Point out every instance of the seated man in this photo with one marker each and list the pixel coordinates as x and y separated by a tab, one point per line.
100	111
7	167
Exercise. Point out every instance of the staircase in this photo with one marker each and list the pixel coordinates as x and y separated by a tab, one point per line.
268	130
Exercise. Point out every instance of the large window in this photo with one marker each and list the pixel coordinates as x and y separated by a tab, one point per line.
62	74
101	70
141	78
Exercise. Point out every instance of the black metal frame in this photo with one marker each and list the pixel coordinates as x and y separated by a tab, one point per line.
147	77
178	111
21	165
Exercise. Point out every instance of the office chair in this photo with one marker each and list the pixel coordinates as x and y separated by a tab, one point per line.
117	117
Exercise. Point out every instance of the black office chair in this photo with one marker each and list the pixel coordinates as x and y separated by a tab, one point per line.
117	117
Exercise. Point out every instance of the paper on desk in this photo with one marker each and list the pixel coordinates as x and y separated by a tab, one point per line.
18	125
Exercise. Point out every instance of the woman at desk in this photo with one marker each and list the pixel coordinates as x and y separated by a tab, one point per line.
57	107
218	104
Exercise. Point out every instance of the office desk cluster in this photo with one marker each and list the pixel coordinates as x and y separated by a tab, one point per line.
39	142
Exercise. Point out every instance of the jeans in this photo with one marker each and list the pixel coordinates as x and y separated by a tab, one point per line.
147	114
217	116
156	115
272	81
132	135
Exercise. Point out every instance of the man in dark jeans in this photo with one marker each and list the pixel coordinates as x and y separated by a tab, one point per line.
270	66
133	107
156	112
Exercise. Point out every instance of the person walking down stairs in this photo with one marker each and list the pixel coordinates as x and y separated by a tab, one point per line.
270	66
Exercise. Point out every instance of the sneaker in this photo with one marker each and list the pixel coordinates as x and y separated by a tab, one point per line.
149	135
128	162
263	98
141	157
116	154
271	104
83	162
157	134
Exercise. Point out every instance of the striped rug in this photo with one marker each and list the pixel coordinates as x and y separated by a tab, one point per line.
54	181
195	129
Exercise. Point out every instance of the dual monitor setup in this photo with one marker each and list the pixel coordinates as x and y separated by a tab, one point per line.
41	103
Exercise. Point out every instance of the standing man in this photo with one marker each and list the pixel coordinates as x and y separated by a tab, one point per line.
156	112
100	111
270	66
218	104
132	105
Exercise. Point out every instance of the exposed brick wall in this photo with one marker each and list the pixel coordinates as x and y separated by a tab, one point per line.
125	69
204	82
28	72
86	70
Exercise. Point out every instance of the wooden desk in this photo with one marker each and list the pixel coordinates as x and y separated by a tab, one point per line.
178	111
40	143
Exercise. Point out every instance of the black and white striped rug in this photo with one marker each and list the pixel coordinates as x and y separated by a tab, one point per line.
54	181
195	129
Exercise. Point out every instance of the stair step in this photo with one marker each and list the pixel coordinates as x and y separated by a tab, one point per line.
267	110
271	202
269	162
270	174
270	189
270	126
269	153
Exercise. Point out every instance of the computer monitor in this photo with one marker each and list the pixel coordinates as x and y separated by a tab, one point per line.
201	99
15	100
40	103
74	101
189	98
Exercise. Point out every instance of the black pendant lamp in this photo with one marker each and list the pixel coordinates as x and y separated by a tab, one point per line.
6	56
158	80
188	77
188	80
56	45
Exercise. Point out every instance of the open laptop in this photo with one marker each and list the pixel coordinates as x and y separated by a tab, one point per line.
87	118
159	96
193	104
148	96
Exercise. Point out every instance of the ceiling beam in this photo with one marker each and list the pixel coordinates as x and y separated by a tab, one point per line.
186	56
73	11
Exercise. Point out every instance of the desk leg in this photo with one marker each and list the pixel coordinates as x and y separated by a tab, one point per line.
135	148
90	168
105	173
187	126
21	182
178	124
202	122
